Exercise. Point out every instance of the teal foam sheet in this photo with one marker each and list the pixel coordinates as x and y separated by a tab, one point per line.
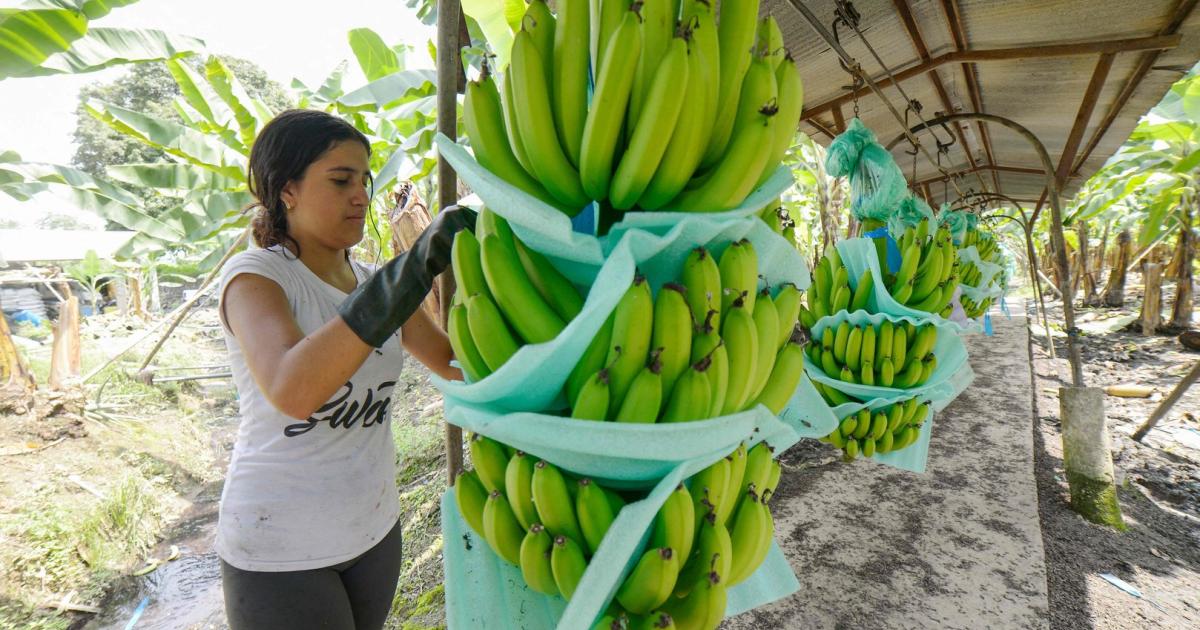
859	254
942	385
484	592
533	378
633	455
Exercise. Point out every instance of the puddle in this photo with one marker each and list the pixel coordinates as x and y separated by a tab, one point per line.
185	593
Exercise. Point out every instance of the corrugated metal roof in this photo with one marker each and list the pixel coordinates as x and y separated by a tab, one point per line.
1042	93
29	245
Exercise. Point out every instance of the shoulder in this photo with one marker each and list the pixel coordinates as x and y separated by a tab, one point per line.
273	263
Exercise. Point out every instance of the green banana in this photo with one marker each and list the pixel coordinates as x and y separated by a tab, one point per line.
657	25
841	339
750	531
926	338
643	400
766	330
847	375
829	363
704	606
687	138
868	345
483	121
741	343
630	342
863	425
465	350
593	360
735	31
672	332
541	24
691	397
490	461
928	366
883	341
737	472
788	309
518	487
854	348
710	490
606	16
928	276
910	376
569	89
535	556
567	564
899	347
785	376
701	278
713	551
791	104
908	267
887	372
648	142
772	480
862	293
559	293
501	529
732	178
739	275
553	501
509	110
485	324
675	523
518	299
758	469
770	40
593	400
471	497
651	581
605	117
594	512
535	123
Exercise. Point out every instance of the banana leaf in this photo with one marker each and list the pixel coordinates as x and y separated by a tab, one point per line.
173	178
174	138
375	58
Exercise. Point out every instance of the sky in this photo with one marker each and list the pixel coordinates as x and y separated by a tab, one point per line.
305	40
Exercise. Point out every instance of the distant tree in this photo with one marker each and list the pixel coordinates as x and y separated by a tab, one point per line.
149	88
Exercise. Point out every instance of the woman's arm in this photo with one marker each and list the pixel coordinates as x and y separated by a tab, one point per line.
296	373
429	344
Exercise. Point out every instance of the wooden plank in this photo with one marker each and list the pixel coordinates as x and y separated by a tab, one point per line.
64	355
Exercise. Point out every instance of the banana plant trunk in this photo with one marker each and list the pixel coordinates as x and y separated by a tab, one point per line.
1181	315
1114	292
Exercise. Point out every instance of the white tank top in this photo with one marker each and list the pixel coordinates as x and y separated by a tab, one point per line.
308	493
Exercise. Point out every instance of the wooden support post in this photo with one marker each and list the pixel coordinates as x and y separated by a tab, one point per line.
1168	402
65	357
1181	313
1114	292
449	61
1152	299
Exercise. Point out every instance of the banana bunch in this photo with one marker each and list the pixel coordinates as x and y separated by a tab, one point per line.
972	308
989	251
709	345
925	281
898	355
508	295
885	430
634	144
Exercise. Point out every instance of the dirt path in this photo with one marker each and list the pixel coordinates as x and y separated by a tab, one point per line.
956	547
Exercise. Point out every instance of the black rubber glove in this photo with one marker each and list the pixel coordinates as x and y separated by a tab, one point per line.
382	303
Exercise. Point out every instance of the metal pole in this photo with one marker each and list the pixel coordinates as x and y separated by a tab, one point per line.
1056	228
448	61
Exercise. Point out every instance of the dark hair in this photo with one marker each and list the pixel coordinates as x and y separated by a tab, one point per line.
285	147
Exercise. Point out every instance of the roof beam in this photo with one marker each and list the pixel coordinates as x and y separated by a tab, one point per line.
1182	11
918	42
994	168
1158	42
958	32
1090	97
821	127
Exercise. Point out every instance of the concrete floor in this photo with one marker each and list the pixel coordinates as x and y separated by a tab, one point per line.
959	546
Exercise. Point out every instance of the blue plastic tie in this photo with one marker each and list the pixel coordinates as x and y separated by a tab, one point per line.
137	613
1004	308
987	324
585	221
893	249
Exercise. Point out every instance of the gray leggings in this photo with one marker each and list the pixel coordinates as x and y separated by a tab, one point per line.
354	595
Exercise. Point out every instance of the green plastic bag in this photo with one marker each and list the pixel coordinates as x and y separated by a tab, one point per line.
908	214
859	254
956	221
946	382
876	183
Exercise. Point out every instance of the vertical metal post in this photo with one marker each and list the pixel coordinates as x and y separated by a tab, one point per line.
449	59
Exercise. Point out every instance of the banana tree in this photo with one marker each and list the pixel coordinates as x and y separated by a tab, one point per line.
1152	181
43	37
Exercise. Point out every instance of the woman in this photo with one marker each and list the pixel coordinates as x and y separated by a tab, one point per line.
308	533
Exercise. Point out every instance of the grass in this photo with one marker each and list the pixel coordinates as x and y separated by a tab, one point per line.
78	518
